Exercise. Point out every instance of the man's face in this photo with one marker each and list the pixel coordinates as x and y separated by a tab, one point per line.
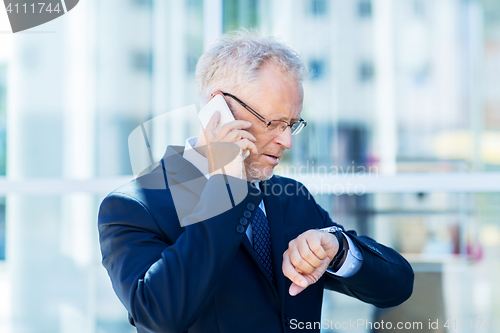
275	96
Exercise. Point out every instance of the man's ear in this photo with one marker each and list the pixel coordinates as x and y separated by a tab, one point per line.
217	93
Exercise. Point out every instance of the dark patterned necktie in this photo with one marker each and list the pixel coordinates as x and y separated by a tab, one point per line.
262	241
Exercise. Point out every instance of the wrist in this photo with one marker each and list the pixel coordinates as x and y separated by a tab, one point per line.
339	257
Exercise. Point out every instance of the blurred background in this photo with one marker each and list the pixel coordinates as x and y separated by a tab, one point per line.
403	104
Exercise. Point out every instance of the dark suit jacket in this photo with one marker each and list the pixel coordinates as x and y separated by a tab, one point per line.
205	277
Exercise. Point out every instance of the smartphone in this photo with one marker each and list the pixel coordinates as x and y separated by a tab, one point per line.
217	103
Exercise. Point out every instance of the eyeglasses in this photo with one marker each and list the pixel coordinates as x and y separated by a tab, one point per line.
273	126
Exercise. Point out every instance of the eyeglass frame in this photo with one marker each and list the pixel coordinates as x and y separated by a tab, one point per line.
261	118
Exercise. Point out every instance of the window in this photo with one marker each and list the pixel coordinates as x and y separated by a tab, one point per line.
240	14
365	8
142	2
366	71
191	61
418	8
317	68
318	7
422	75
142	61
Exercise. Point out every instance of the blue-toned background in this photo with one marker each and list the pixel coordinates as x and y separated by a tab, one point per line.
407	90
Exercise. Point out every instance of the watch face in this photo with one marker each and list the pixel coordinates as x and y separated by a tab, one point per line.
331	230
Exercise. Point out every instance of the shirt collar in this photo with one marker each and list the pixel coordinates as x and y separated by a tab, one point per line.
201	163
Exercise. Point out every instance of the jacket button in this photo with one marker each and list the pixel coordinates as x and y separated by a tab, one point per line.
250	206
247	214
287	321
240	229
243	221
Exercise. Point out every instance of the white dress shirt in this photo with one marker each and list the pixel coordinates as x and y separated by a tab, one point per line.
353	260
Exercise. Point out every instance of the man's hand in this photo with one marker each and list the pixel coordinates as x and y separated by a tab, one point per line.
307	258
231	132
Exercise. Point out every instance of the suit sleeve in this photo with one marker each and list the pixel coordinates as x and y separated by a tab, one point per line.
385	278
165	285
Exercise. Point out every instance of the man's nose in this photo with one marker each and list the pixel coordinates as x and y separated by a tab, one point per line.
285	138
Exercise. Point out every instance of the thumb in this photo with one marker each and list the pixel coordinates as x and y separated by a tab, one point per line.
214	121
330	244
211	126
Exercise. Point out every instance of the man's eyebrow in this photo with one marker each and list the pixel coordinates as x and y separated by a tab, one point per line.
284	118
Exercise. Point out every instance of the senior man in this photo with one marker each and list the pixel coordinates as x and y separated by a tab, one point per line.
262	264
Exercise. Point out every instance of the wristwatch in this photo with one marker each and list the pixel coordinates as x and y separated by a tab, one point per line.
340	253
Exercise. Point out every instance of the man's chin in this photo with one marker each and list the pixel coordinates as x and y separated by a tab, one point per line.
256	173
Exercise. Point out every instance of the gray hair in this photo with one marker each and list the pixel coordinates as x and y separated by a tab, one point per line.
235	60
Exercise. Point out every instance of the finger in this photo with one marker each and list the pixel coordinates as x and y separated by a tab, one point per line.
232	125
316	246
314	258
322	244
214	121
209	131
237	134
247	145
291	273
300	264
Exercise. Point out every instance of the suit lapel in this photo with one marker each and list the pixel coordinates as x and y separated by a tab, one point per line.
181	172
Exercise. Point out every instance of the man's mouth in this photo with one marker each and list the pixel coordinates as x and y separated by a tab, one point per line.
277	158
